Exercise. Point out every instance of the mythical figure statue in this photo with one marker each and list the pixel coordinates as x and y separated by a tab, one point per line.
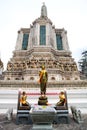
76	114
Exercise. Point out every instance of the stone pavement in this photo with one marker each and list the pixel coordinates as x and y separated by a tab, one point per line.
76	97
11	125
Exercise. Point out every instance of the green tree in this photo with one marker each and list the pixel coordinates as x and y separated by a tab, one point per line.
83	64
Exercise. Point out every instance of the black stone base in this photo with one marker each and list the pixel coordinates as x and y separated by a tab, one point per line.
23	117
43	100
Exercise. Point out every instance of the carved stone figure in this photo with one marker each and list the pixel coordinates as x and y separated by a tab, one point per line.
9	114
74	67
76	114
9	66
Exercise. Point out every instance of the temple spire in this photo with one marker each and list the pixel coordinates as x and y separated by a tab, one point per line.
43	10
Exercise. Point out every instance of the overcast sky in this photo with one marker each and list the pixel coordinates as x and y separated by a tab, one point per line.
68	14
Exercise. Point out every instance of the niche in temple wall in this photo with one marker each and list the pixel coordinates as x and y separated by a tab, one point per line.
25	41
42	35
59	42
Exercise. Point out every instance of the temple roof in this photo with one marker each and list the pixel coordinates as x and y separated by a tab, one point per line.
43	18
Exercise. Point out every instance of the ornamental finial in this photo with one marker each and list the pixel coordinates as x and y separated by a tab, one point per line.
43	10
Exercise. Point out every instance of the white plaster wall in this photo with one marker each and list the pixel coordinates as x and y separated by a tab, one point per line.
37	33
54	38
19	41
65	41
30	38
27	78
57	77
34	36
47	34
50	36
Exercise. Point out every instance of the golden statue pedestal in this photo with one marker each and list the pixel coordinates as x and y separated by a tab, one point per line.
43	100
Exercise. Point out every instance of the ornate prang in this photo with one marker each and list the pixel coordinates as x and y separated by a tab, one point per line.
54	53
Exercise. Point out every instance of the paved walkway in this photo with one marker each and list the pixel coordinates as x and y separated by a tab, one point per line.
11	125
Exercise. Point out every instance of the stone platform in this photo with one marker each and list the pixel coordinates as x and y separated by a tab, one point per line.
42	117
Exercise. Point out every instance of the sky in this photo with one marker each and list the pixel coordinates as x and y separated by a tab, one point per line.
68	14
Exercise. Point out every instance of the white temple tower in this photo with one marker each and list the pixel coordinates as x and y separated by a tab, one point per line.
40	44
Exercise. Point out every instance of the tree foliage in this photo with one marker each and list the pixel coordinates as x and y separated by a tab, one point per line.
83	64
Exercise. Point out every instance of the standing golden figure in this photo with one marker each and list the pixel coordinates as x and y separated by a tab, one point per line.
43	78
